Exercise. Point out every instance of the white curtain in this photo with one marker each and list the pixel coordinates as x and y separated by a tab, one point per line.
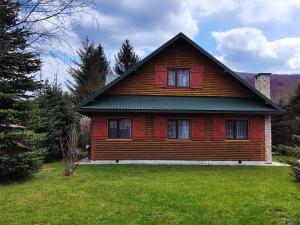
183	129
183	78
172	129
241	129
230	131
171	78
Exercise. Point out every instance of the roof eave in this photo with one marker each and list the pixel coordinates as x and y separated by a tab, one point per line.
91	110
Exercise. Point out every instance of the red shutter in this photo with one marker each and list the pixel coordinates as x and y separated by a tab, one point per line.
160	76
160	128
218	129
197	128
99	127
138	128
197	77
256	128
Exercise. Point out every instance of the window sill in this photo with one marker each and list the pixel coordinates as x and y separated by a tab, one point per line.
119	139
247	140
180	140
175	87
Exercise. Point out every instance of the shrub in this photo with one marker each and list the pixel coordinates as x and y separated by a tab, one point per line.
287	150
296	170
70	151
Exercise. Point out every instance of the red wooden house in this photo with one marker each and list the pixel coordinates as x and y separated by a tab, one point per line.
181	103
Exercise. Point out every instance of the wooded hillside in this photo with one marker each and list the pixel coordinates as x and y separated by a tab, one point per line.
282	85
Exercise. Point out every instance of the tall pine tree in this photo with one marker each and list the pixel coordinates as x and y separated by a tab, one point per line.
125	58
89	73
20	152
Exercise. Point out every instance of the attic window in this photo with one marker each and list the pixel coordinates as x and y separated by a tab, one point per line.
179	78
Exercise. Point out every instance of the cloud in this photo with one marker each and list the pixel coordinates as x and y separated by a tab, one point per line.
148	24
247	49
54	66
259	11
248	11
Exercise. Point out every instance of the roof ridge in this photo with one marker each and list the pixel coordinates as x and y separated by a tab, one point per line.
161	48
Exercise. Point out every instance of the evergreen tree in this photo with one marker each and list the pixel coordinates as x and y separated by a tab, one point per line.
125	58
57	113
286	126
89	73
20	150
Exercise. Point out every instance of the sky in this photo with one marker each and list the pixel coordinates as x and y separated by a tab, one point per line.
247	36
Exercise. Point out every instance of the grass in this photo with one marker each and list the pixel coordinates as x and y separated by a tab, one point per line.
145	194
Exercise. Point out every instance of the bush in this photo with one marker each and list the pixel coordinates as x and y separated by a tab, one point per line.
296	170
287	150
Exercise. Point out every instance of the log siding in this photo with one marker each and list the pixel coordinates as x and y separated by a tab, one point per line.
180	55
205	149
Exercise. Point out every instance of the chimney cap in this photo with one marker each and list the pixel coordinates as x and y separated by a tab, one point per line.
263	74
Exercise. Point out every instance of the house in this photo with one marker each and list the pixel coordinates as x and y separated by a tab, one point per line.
181	103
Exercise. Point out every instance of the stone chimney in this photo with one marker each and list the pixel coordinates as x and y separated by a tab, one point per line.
262	83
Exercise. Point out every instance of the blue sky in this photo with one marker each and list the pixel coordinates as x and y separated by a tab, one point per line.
249	35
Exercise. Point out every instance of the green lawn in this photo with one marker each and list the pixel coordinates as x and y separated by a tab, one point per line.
144	194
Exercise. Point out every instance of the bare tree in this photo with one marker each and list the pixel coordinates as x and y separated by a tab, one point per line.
48	20
70	151
85	130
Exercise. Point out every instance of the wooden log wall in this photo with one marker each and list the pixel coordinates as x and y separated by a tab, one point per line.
150	149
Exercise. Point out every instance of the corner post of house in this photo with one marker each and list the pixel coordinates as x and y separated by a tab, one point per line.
263	84
268	139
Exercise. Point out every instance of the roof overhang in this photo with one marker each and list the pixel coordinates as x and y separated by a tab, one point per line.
173	104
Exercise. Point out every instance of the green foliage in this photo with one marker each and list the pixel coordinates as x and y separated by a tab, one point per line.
296	170
55	115
125	58
19	161
89	73
20	149
284	159
286	127
287	150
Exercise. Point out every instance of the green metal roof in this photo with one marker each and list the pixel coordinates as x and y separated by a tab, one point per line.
172	104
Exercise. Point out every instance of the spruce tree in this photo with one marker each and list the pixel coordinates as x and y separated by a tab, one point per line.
58	115
125	58
89	73
20	150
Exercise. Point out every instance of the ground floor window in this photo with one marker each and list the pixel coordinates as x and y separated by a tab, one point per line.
119	128
236	129
178	129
